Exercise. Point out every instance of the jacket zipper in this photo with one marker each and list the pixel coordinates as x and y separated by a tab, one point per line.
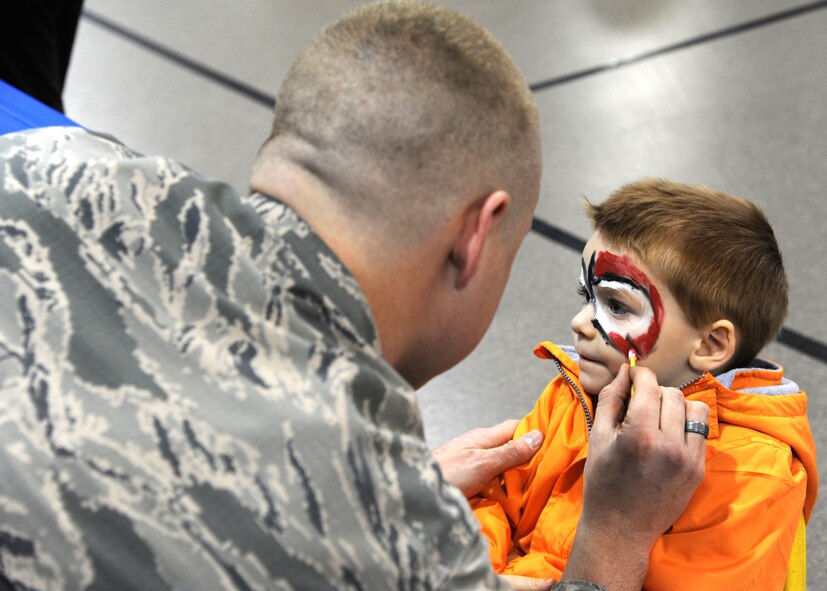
689	382
579	394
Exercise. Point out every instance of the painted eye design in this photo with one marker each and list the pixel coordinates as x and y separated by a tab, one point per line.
617	309
617	286
583	292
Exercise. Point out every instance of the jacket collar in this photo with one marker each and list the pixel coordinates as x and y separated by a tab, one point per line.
763	378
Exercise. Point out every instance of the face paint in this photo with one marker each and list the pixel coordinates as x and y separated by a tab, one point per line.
628	308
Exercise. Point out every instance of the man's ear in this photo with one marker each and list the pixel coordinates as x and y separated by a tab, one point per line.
477	221
715	348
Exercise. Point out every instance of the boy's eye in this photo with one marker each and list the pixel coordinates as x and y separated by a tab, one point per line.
583	292
616	308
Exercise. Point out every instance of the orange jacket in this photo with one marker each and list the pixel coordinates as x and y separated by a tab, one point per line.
738	530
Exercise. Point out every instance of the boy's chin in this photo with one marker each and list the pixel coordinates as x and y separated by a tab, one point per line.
593	385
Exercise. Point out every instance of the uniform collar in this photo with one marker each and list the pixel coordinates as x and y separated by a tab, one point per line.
317	274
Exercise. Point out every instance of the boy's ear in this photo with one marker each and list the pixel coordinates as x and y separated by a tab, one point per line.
476	224
715	348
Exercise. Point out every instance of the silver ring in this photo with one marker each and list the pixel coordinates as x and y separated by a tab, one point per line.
697	427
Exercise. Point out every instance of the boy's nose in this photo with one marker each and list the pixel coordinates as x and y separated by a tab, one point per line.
581	323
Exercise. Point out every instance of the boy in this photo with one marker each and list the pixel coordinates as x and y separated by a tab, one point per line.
691	281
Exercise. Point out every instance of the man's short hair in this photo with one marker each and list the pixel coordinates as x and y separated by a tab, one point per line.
717	254
413	97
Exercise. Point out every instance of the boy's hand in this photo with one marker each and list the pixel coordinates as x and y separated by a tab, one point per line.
640	474
471	460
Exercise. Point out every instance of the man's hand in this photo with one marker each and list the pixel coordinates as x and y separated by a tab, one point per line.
642	470
471	460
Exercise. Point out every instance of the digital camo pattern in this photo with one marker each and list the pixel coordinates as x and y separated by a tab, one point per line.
191	395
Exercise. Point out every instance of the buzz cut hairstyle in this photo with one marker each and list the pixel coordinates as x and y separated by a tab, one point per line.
416	95
717	254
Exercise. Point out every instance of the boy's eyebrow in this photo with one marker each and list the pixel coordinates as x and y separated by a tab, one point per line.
621	268
590	279
623	279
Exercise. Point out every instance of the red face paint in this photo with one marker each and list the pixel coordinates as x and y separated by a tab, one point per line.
611	267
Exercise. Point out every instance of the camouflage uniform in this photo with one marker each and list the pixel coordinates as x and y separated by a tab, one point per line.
192	394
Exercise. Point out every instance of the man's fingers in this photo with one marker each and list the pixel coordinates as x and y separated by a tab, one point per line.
696	411
472	459
527	583
672	413
499	434
644	407
501	452
612	401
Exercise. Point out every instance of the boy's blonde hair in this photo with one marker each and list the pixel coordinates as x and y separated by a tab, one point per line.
716	253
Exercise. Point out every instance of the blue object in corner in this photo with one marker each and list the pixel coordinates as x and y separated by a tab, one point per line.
19	111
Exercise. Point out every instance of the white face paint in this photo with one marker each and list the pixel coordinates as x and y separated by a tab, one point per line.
624	311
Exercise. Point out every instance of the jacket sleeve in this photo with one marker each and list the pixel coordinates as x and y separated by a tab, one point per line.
738	530
499	507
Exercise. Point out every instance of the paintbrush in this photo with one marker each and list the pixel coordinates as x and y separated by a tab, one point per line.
632	361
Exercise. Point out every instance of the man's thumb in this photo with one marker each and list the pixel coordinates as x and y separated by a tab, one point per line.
522	449
612	399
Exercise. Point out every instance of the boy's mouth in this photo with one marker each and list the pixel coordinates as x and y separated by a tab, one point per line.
588	359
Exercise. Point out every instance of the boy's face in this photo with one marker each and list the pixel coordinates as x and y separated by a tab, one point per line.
627	307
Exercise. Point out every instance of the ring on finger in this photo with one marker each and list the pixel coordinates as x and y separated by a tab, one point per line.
698	427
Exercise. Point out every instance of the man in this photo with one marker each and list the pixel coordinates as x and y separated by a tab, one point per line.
204	391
